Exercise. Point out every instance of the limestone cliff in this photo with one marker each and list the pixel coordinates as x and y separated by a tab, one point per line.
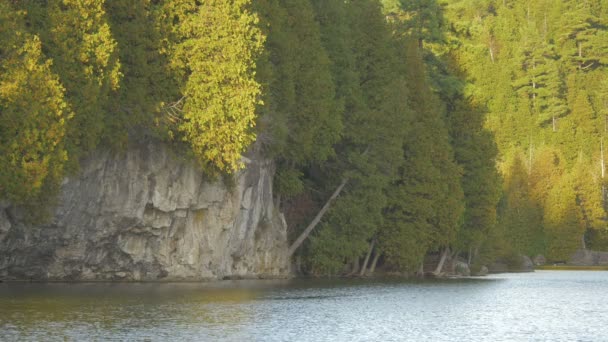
148	215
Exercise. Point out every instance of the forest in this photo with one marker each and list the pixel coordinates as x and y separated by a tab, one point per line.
399	128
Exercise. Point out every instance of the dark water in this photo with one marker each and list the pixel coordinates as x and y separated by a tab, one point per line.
540	306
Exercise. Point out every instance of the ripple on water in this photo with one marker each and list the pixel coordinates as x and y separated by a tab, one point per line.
540	306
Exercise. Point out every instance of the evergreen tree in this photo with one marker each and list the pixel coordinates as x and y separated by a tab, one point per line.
212	49
146	82
301	108
374	125
429	184
520	214
33	114
562	222
77	36
475	151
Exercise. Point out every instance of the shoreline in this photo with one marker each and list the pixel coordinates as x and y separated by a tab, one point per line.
571	268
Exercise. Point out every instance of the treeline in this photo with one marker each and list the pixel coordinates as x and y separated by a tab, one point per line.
359	101
360	105
541	69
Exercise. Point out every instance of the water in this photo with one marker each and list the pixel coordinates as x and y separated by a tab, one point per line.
540	306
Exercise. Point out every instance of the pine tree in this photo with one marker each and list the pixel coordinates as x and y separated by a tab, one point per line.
583	36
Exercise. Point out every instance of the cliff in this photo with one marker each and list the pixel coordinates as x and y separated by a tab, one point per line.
148	215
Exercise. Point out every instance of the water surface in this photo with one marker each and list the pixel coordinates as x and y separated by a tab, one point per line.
540	306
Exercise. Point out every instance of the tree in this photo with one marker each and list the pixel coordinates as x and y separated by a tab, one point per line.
212	49
77	36
375	100
520	214
429	196
146	82
301	112
33	114
583	36
475	151
562	222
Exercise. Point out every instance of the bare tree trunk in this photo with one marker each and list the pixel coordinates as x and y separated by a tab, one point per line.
317	218
534	85
603	173
584	245
470	256
421	270
530	158
372	268
369	254
444	255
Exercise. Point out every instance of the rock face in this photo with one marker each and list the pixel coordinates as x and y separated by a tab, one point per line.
483	271
526	264
539	260
147	215
582	257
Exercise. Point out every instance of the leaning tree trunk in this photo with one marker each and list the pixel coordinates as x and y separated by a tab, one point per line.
583	244
317	219
372	268
444	255
369	254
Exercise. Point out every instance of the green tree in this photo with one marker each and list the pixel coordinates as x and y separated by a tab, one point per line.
302	114
212	49
77	36
520	215
147	82
562	222
33	114
429	198
475	150
583	35
375	100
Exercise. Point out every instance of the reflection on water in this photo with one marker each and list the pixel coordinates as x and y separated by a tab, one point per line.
540	306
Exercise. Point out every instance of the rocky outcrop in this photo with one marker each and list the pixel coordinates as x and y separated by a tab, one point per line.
539	260
461	268
526	264
483	271
146	214
585	257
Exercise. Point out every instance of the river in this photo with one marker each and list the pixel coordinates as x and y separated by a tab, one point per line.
539	306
